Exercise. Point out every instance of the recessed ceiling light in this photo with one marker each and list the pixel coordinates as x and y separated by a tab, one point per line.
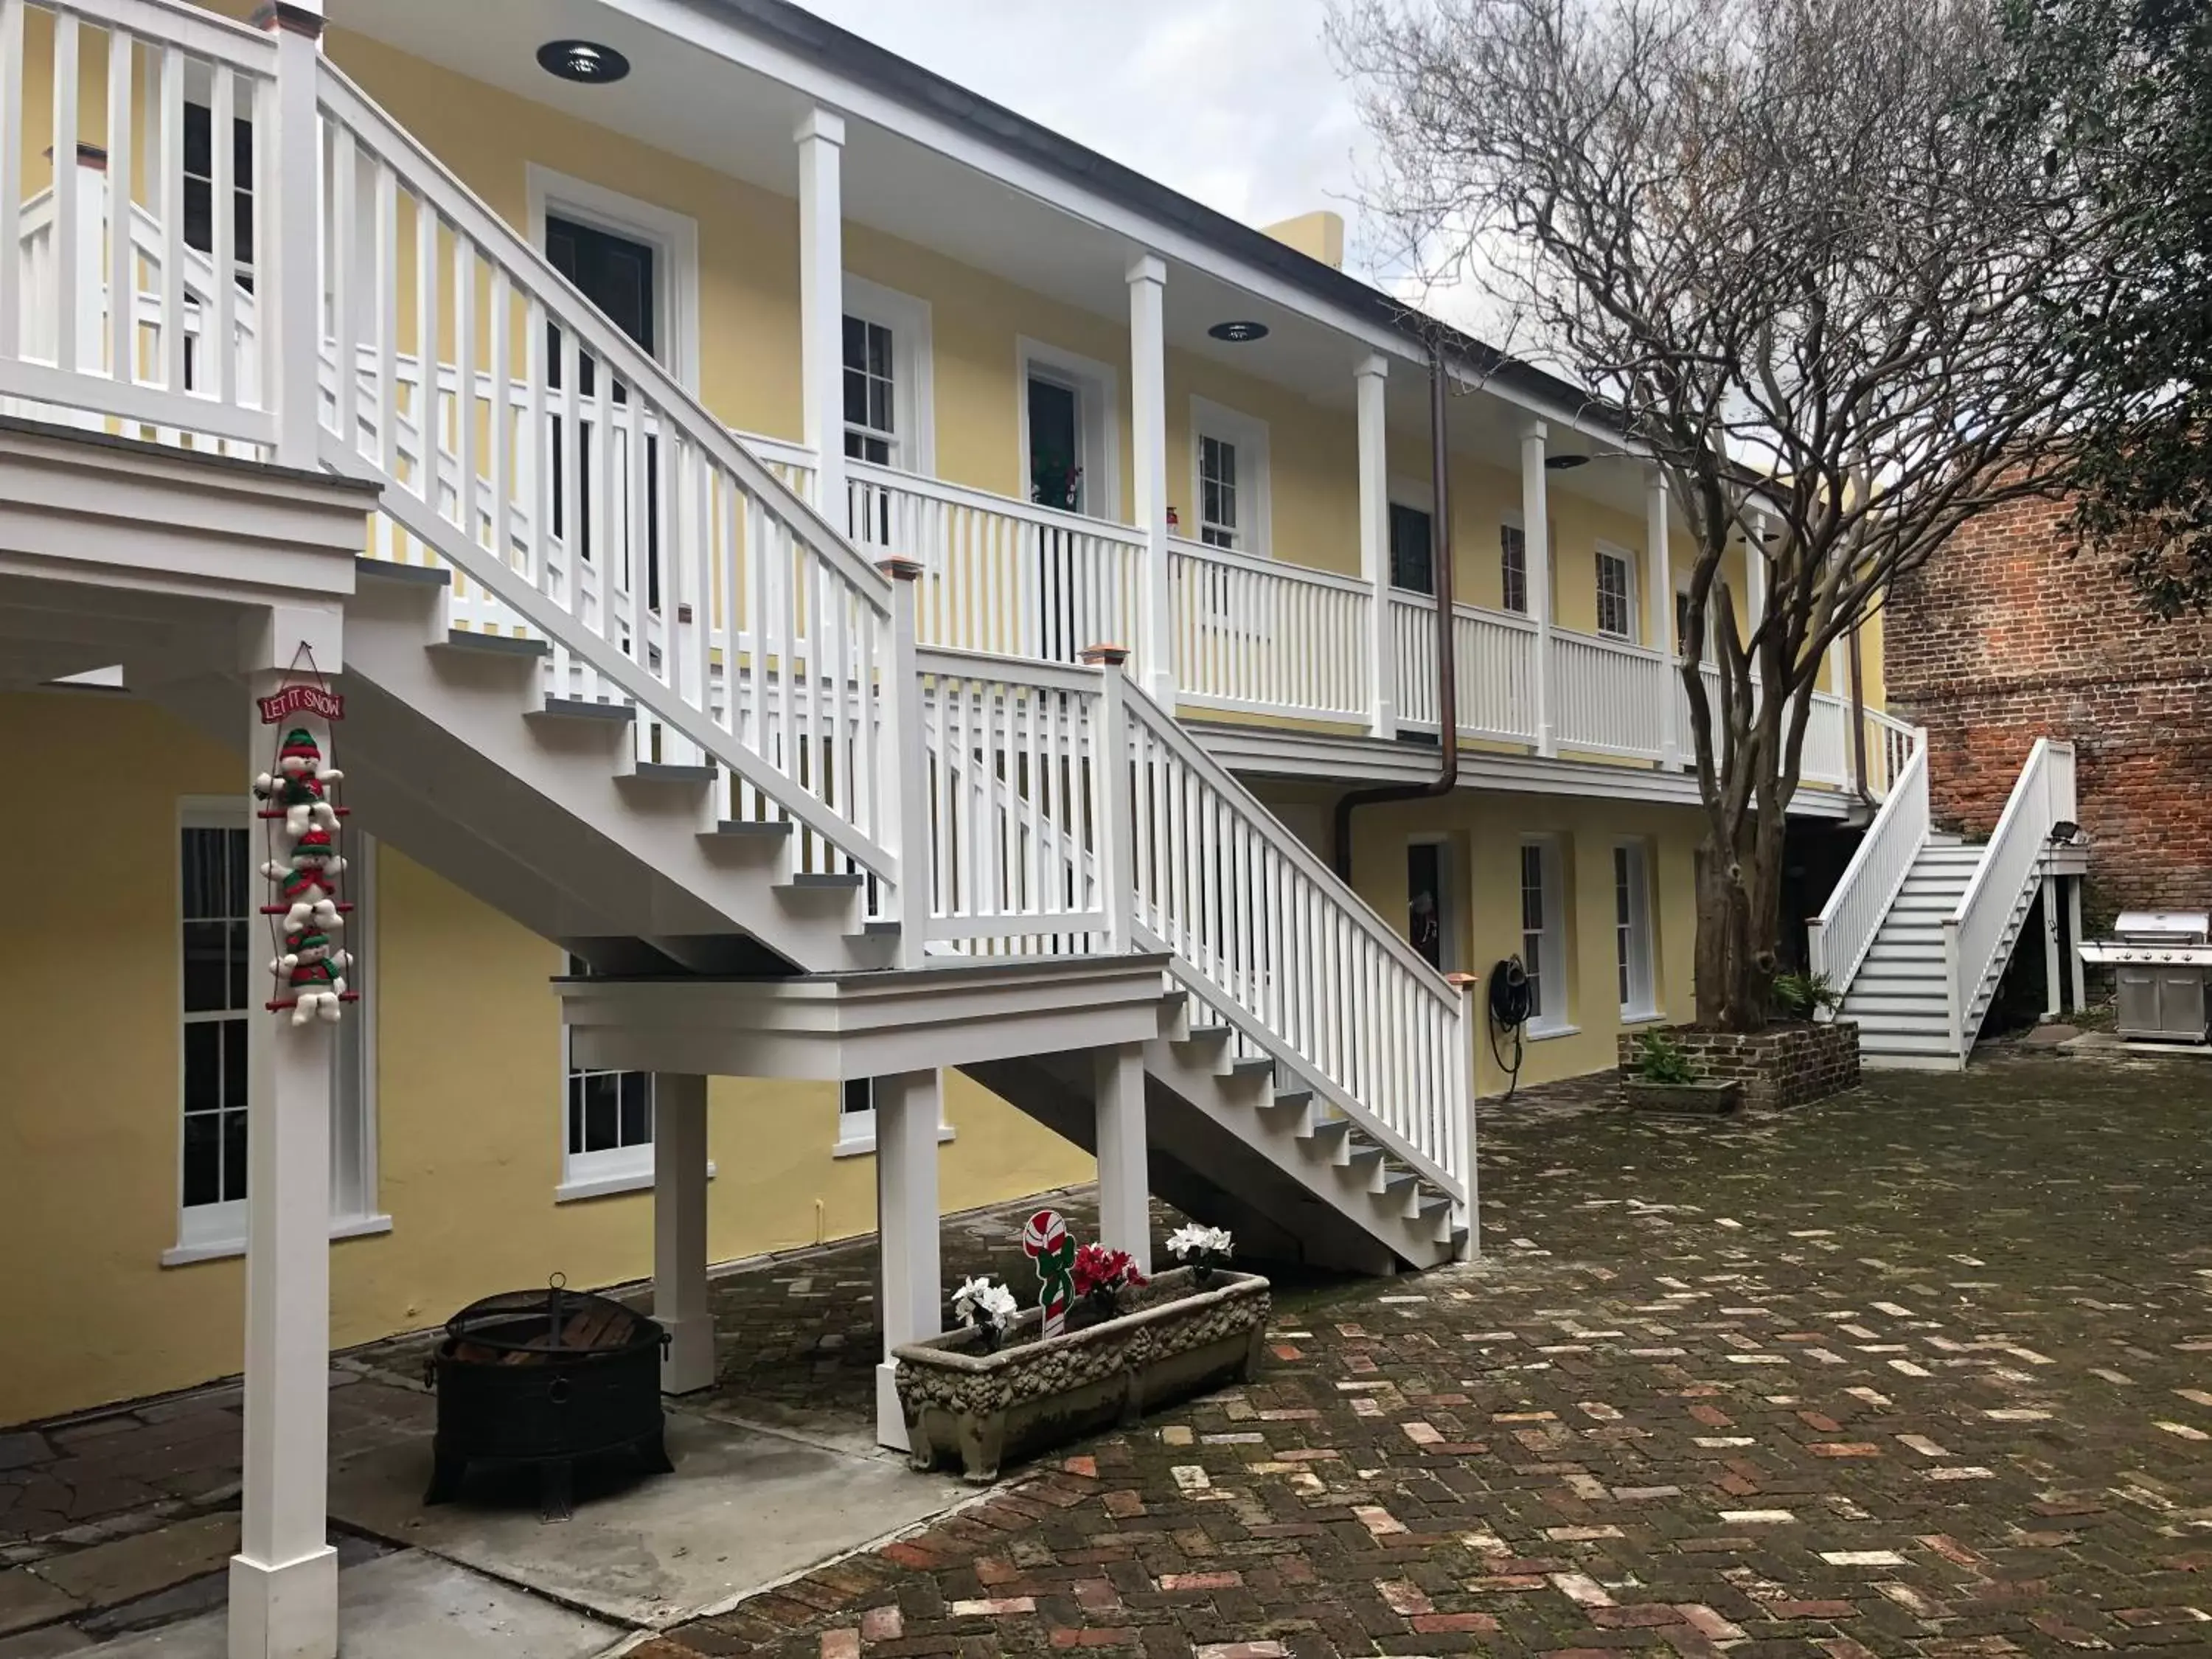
1566	463
1239	333
582	60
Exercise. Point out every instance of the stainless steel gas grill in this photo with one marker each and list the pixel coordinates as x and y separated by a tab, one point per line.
2161	959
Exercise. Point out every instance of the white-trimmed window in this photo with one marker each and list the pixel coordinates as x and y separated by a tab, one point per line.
1429	918
606	1118
224	944
1512	566
1631	928
887	402
1616	594
1228	464
1543	934
856	1118
1071	452
669	295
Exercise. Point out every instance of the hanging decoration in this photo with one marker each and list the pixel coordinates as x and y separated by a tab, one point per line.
303	867
1045	1241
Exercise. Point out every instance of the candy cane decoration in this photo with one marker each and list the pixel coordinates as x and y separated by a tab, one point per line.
1045	1241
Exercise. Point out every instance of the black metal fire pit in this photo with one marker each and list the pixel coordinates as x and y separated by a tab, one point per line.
545	1377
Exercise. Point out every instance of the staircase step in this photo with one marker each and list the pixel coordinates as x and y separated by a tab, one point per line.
1906	1042
427	575
1918	884
1890	986
496	644
1864	1004
818	879
662	772
580	709
1252	1068
752	829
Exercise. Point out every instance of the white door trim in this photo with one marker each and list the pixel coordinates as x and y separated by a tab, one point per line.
1097	390
674	237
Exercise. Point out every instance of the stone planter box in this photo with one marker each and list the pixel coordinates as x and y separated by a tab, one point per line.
1717	1096
1177	1341
1785	1065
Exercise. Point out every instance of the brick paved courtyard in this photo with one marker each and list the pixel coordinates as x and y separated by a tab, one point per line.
1924	1370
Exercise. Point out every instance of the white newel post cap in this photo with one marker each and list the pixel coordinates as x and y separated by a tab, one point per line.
901	570
1103	656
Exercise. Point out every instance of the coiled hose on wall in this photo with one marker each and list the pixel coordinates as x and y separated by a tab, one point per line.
1510	1004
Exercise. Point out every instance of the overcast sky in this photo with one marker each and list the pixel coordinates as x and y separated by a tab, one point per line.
1234	102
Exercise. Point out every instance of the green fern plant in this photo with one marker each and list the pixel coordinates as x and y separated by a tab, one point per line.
1660	1059
1806	996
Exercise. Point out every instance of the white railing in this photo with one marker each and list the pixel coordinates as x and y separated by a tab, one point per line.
1890	743
1838	938
1611	696
1978	936
603	506
1000	575
115	321
1826	757
1272	942
1017	754
1494	652
1267	638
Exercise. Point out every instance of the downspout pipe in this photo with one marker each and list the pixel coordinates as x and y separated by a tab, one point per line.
1440	560
1858	722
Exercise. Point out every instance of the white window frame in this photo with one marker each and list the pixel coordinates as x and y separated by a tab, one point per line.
1512	520
1419	496
614	1170
914	400
1555	983
1447	893
207	1232
1097	392
1254	482
674	237
856	1129
1606	553
1633	938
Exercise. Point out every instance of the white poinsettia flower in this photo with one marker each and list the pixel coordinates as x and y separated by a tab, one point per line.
1192	1239
998	1303
971	1298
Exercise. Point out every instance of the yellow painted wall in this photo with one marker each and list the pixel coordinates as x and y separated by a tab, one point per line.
469	1088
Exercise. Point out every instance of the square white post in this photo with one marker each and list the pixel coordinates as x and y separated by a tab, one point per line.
2074	941
679	1230
1116	854
1536	556
908	1108
1466	1139
1148	427
285	1578
1373	384
1754	571
821	137
1659	608
904	760
290	234
1125	1217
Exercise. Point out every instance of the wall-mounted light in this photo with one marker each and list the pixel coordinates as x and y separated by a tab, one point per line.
1242	332
584	61
1564	462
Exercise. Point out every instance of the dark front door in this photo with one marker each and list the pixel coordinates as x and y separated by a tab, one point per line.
1056	481
1412	550
617	276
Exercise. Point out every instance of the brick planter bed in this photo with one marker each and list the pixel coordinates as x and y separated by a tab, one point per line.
1784	1064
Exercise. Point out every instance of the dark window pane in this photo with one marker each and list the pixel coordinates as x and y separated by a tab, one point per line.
857	1095
879	351
575	1112
1412	564
204	1158
240	942
202	1066
613	272
199	215
636	1108
856	398
856	346
233	1155
242	227
879	406
602	1126
234	1063
207	969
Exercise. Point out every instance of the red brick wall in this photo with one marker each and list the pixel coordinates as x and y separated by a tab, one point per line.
2010	634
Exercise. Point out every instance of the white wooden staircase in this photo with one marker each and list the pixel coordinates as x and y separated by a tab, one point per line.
684	725
1920	929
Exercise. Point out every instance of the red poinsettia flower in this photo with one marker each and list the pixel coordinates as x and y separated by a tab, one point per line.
1097	1268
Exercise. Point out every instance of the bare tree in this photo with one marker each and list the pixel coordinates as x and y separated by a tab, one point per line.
1788	257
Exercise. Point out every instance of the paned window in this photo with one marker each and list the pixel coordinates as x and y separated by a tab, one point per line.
1412	550
1428	905
1616	596
870	392
608	1135
1218	524
199	184
1632	928
1513	567
1543	946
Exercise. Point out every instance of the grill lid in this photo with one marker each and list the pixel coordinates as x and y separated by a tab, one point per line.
2164	927
554	1323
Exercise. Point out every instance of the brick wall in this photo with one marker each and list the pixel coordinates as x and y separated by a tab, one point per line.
1781	1066
2010	633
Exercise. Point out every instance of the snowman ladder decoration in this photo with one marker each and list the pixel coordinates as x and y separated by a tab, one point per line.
304	865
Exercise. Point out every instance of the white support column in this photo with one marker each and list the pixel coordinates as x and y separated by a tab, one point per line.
291	236
821	137
1536	544
2051	993
679	1230
1117	853
908	1108
1466	1134
2074	941
283	1580
1659	610
1148	426
1373	384
1124	1175
1754	571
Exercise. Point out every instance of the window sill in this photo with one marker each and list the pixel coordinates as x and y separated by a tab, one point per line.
1546	1033
609	1186
864	1146
1643	1015
183	1256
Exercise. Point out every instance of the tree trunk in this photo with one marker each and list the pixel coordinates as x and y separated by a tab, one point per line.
1739	919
